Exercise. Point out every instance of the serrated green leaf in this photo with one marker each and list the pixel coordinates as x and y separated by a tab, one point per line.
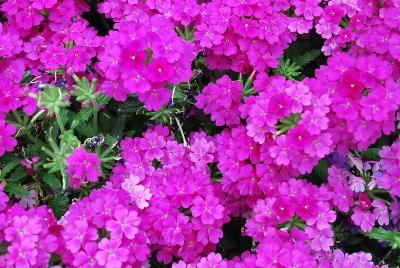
26	78
53	168
18	174
8	167
16	189
59	205
53	98
85	130
372	153
178	94
52	181
322	170
64	116
307	57
391	237
69	139
118	126
103	100
8	157
33	149
82	116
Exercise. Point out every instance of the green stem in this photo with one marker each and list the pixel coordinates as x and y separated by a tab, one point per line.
48	152
60	123
33	139
17	117
180	32
108	159
64	177
187	32
249	80
378	191
109	149
95	121
181	130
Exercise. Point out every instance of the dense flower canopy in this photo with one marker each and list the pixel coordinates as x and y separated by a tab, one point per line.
199	133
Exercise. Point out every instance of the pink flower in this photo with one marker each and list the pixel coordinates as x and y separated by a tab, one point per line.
78	234
209	209
22	255
268	254
357	184
350	84
7	142
123	223
381	211
43	4
208	36
176	229
324	217
280	152
152	143
110	254
23	229
86	258
363	218
320	239
160	71
82	166
3	198
213	260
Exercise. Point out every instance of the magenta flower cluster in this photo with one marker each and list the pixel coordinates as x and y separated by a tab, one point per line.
164	200
389	176
144	59
29	237
82	166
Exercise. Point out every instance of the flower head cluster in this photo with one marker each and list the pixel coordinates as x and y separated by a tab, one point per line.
364	96
222	101
82	166
389	176
286	129
169	200
103	230
245	35
7	141
27	237
351	195
183	12
285	250
145	59
182	210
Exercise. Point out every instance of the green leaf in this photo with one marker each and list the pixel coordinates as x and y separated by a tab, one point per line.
18	174
53	98
288	69
59	204
103	99
118	126
64	117
26	78
70	140
390	237
8	167
84	129
372	153
52	181
16	189
321	171
52	167
307	57
82	116
178	94
287	123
